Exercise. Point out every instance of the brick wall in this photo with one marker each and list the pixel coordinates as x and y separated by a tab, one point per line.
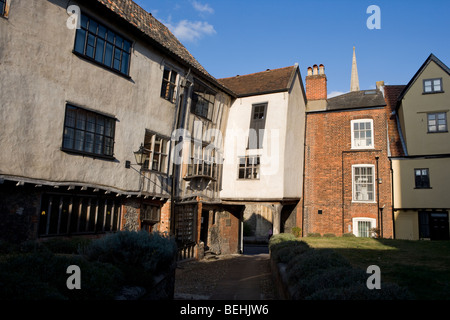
316	87
328	174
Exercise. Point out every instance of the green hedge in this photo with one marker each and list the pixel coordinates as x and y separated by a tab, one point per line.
43	275
38	270
140	255
323	274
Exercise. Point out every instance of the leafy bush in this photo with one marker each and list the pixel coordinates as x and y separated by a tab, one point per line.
140	255
69	246
315	235
296	231
313	261
329	235
348	235
359	291
284	252
281	237
43	275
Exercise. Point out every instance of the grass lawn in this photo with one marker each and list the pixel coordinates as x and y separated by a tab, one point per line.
421	266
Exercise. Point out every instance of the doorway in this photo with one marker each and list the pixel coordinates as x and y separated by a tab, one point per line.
204	228
439	228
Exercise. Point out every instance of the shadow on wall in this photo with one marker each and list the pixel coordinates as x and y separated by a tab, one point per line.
258	222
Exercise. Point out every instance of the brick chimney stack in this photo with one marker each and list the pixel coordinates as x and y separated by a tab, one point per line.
316	83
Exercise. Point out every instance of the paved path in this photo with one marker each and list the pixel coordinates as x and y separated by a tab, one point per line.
248	278
235	277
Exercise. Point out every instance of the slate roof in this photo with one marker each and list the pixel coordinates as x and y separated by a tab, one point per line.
356	100
269	81
160	35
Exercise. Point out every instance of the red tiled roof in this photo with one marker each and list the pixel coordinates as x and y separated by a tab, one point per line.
268	81
158	32
391	95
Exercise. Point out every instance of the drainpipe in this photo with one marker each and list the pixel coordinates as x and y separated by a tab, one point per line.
392	196
380	219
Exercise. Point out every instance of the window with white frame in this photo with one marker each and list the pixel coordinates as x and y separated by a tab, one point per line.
362	134
363	183
202	160
249	167
362	227
432	85
437	122
157	147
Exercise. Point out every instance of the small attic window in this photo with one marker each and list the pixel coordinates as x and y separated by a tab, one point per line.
370	92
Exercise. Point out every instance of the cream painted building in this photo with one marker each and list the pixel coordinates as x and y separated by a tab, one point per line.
79	101
263	152
421	176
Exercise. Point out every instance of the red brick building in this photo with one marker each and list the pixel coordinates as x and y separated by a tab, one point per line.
347	185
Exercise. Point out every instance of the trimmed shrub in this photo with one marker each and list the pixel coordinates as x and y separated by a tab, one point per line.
140	255
348	235
284	252
388	291
314	235
43	275
281	237
329	235
296	231
313	261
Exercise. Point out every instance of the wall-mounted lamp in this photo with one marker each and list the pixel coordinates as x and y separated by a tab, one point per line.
141	156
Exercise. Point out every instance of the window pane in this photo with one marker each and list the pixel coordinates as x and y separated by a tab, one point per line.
125	59
101	31
90	46
89	142
68	138
81	120
108	55
99	50
79	140
90	125
79	41
98	144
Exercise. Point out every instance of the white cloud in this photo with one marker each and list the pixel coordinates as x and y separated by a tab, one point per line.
203	8
334	94
186	30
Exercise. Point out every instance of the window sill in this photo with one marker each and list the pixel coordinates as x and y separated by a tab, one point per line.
90	155
425	93
423	188
362	148
368	202
91	60
432	132
192	177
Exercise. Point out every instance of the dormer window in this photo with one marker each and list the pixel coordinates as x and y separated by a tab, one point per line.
432	85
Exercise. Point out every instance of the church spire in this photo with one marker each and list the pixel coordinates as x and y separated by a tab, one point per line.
354	83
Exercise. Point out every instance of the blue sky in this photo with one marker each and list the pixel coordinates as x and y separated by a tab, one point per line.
230	37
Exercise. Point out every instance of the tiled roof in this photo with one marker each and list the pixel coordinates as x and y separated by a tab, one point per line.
391	94
269	81
357	99
155	30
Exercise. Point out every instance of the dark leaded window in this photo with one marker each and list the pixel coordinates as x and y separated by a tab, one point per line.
88	132
168	85
257	126
203	101
2	7
422	178
98	43
249	167
78	214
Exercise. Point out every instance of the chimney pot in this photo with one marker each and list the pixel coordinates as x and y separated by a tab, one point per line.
309	71
315	69
321	69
